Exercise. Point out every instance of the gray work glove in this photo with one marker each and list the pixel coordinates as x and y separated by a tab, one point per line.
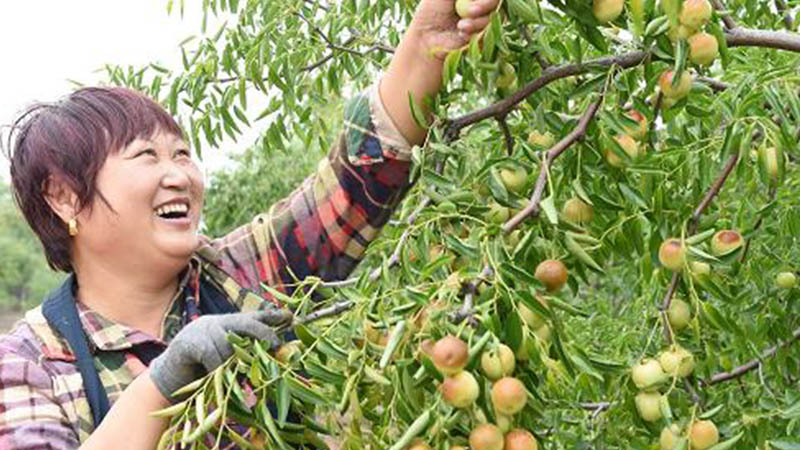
201	346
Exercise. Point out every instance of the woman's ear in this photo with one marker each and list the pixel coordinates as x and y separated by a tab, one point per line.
61	198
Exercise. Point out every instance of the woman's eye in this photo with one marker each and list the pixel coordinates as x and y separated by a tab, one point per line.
149	152
185	153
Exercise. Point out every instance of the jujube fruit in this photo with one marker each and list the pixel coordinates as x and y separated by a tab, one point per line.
647	373
498	362
679	32
677	361
419	444
543	333
678	91
672	254
503	422
519	439
514	179
607	10
638	131
703	48
509	396
460	390
629	146
287	352
695	13
577	211
552	274
703	434
678	314
508	76
700	268
531	318
649	405
725	241
669	437
786	280
497	214
450	355
486	437
541	140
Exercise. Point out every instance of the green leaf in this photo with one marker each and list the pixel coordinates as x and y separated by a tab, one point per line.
725	445
451	66
283	401
549	208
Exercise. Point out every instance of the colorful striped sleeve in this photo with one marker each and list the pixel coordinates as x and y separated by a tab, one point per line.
324	227
31	417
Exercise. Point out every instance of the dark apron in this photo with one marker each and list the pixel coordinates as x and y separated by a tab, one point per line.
61	313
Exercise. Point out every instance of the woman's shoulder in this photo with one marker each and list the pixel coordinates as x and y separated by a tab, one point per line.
32	338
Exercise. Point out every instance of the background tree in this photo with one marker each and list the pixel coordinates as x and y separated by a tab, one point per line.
24	275
589	132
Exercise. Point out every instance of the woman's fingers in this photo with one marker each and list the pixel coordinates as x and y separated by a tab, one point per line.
275	317
471	26
480	8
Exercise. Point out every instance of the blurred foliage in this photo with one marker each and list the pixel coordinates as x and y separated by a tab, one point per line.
25	277
259	179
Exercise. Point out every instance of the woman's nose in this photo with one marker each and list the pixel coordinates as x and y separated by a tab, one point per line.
175	176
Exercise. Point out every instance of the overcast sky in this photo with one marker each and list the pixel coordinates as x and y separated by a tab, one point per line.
46	42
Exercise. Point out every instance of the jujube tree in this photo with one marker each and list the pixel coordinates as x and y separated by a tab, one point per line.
608	192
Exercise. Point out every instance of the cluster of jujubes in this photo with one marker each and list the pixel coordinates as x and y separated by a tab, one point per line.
460	389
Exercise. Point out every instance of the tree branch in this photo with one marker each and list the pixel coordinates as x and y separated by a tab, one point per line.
734	158
333	310
532	208
549	75
743	369
729	23
712	192
736	37
781	40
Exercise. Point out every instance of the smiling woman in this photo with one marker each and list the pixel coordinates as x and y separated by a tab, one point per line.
108	184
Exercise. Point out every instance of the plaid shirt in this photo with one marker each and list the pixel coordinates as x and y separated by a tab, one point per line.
322	229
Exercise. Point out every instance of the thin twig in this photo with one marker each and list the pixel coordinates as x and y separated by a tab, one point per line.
509	139
470	289
597	406
333	310
772	193
715	85
782	8
656	112
729	23
734	158
673	285
744	368
532	208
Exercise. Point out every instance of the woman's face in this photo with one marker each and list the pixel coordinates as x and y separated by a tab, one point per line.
155	193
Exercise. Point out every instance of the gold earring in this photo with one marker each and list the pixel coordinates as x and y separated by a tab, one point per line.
73	227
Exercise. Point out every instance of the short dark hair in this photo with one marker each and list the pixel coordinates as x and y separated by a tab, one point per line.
70	140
